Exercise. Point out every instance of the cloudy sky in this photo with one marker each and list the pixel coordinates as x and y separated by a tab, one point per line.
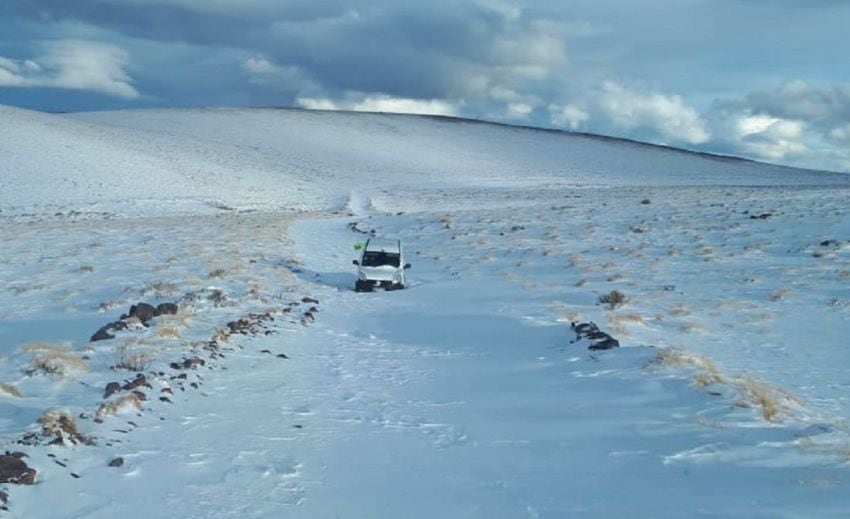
765	79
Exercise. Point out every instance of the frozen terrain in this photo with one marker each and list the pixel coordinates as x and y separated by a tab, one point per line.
465	395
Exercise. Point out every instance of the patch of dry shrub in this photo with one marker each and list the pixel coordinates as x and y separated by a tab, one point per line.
129	357
123	404
9	389
55	359
613	299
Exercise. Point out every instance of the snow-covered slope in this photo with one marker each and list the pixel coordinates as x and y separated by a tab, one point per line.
178	160
277	391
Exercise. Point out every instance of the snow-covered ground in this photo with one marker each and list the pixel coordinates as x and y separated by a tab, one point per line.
462	396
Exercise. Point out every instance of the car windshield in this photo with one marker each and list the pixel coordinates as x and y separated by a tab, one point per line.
380	258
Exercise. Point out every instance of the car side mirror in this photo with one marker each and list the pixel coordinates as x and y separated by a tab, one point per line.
355	262
407	265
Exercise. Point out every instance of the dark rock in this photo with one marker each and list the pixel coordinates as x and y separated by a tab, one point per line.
139	381
105	331
762	216
193	363
15	470
829	243
117	462
141	396
111	389
645	201
309	300
165	399
282	356
605	344
143	311
4	497
598	339
166	309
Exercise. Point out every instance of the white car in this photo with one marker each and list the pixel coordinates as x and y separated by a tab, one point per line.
381	264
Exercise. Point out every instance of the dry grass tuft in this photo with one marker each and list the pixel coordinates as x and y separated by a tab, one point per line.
60	424
693	327
613	299
217	274
43	347
575	259
126	403
168	332
619	319
779	294
707	371
9	389
55	359
130	358
679	311
569	317
581	282
773	401
161	289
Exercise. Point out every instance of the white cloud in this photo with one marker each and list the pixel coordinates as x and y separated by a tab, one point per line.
316	104
382	103
73	64
667	115
771	138
519	110
259	65
840	134
568	116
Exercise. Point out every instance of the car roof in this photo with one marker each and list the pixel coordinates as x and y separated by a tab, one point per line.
384	245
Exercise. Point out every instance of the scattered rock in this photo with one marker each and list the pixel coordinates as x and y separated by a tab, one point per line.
309	300
193	363
645	201
143	312
105	332
282	356
762	216
13	469
139	381
4	497
598	339
166	309
111	389
117	462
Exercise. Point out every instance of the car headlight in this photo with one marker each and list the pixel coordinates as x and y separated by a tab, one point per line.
361	276
397	279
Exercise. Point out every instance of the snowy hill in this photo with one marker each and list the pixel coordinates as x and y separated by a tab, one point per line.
177	160
275	390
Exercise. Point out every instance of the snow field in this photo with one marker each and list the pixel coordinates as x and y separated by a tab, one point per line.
462	396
